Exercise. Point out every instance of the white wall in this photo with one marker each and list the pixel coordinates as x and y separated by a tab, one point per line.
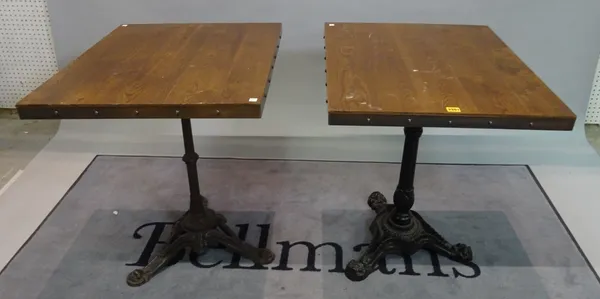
27	56
592	115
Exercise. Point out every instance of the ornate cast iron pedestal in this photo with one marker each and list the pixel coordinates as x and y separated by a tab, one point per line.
199	228
398	230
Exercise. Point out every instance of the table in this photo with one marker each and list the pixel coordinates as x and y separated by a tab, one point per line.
427	75
180	71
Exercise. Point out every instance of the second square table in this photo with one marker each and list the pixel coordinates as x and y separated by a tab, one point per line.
427	75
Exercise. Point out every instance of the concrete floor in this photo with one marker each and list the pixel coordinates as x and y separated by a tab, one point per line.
593	135
21	140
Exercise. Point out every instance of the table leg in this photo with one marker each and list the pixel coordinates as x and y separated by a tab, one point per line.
397	229
199	228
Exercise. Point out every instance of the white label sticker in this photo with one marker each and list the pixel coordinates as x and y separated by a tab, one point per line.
253	100
124	25
331	25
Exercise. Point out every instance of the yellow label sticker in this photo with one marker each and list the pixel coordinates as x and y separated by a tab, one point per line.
453	109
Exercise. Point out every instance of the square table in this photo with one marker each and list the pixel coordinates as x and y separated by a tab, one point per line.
427	75
182	71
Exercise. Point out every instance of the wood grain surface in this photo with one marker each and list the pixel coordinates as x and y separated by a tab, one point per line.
430	75
164	71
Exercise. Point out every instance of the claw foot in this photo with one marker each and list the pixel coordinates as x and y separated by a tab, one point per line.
463	252
137	278
376	201
356	271
266	256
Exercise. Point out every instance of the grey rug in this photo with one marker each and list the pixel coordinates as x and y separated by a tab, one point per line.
314	216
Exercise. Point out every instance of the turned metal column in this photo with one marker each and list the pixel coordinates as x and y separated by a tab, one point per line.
404	196
190	158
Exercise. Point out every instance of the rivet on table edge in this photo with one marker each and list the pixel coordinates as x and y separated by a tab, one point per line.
218	112
449	122
368	119
531	124
56	112
409	120
137	112
177	112
490	122
96	112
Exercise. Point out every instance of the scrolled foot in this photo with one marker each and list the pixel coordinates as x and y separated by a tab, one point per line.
376	201
266	256
435	242
137	278
359	269
141	276
460	252
463	252
356	271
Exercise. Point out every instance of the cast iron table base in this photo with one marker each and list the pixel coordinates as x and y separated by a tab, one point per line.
199	229
397	229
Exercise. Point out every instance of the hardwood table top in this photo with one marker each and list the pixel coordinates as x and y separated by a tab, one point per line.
164	71
429	75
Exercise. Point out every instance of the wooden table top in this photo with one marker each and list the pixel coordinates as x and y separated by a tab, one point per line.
429	75
164	71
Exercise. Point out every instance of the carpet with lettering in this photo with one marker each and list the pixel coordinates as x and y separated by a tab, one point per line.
314	216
